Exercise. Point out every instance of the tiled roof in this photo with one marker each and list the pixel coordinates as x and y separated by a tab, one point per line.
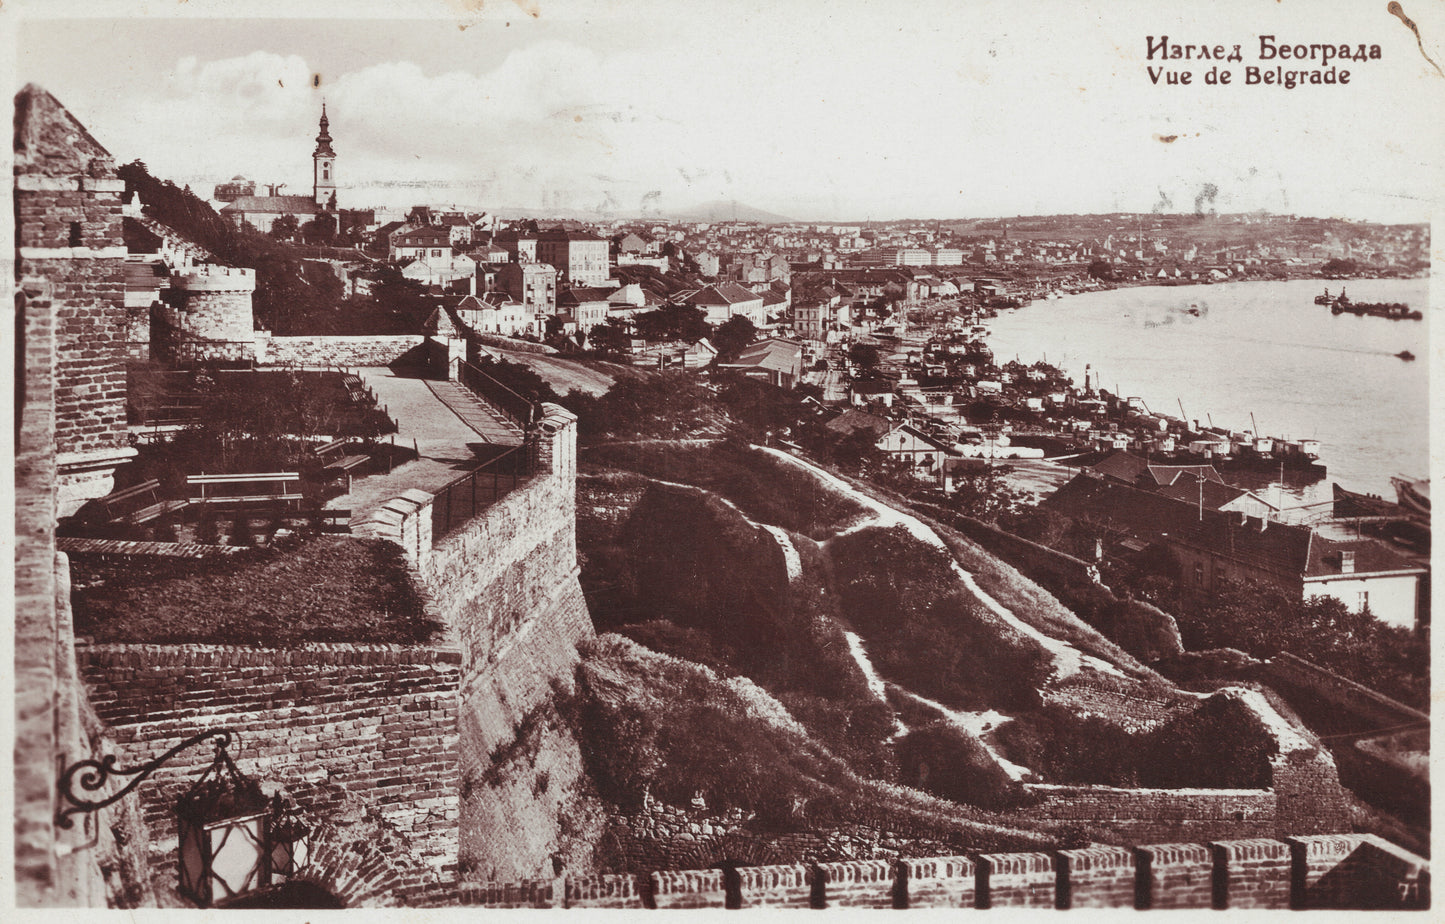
853	420
281	205
423	237
1370	558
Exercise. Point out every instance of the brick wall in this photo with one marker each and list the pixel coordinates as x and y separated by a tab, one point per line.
335	351
1353	871
376	722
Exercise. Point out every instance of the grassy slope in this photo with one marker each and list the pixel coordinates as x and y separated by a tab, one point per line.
639	714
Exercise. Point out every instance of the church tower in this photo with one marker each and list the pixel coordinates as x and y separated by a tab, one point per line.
323	176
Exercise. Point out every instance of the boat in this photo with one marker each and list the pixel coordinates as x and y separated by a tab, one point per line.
1414	494
1406	355
1395	311
1327	299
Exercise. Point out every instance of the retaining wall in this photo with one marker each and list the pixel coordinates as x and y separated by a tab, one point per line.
1144	815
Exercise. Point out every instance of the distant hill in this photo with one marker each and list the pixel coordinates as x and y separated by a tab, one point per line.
726	210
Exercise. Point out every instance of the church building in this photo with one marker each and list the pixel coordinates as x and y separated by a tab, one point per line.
261	212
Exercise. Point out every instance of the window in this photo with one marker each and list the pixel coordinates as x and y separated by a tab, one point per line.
1198	574
75	240
326	171
1364	600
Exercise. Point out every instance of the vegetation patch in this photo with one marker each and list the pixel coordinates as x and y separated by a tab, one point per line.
767	490
1219	745
925	631
648	723
947	761
295	591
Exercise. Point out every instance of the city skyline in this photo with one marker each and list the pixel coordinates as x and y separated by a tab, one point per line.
849	115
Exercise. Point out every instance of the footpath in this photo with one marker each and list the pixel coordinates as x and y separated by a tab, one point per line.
449	426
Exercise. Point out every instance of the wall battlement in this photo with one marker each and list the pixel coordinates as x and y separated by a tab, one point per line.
212	277
1337	871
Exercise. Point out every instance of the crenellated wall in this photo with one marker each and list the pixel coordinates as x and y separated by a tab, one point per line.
1322	871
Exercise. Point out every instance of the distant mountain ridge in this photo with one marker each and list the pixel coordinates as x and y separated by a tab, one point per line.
726	210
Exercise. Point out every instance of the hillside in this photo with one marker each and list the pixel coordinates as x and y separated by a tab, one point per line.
908	657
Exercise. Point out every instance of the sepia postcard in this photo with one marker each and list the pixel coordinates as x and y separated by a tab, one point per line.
564	454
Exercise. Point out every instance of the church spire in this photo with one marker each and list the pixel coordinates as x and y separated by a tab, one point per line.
323	140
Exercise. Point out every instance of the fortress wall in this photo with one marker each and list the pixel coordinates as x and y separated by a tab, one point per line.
506	585
377	722
348	352
70	268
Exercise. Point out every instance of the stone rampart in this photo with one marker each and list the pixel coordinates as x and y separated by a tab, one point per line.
1340	871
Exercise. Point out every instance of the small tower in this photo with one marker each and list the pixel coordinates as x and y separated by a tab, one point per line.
323	177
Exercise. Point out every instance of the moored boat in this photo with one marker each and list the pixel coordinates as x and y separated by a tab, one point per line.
1414	494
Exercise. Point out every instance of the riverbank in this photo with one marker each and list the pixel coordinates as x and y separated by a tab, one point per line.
1222	353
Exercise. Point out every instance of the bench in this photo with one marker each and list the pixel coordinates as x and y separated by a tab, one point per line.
139	504
259	488
334	459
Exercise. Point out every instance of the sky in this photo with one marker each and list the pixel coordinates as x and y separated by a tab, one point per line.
843	110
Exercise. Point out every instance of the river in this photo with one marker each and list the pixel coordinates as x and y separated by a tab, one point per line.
1230	349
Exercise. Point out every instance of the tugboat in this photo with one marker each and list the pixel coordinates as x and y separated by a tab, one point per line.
1326	299
1406	355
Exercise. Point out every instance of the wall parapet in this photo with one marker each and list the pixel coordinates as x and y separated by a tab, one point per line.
1330	871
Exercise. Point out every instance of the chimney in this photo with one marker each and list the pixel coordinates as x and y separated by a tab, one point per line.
1347	562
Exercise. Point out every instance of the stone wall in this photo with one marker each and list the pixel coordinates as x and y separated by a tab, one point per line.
1145	815
378	723
506	583
349	352
1342	871
207	315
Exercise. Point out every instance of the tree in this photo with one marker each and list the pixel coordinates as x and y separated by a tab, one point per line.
732	336
865	356
1101	269
610	338
285	228
319	230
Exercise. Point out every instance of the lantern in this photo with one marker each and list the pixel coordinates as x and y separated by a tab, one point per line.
222	826
290	841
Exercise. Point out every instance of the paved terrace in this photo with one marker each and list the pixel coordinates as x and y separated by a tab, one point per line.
454	431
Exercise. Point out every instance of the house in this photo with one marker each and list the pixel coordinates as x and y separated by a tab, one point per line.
580	257
725	300
426	243
851	421
920	453
498	313
1200	485
261	212
1209	547
586	305
865	392
532	284
778	361
443	271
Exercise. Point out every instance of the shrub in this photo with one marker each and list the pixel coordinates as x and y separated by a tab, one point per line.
947	761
